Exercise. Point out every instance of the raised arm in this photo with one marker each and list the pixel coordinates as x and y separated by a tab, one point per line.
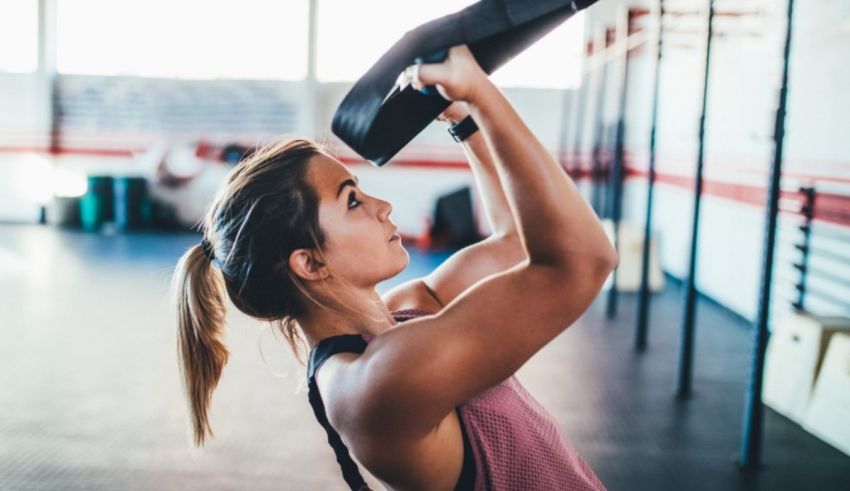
494	254
495	203
497	253
408	379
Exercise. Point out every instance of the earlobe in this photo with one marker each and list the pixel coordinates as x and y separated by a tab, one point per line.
307	265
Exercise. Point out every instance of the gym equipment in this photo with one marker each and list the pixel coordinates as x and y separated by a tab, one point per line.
435	57
623	32
643	295
578	106
604	38
629	247
794	358
132	205
379	116
686	346
751	439
803	265
97	205
234	153
829	409
822	284
64	212
454	221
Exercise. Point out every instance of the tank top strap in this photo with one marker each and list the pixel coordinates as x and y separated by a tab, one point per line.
324	349
351	343
344	343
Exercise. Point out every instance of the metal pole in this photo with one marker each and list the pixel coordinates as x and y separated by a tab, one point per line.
643	295
578	142
568	105
686	348
47	76
616	197
601	82
47	69
568	120
311	83
753	424
580	116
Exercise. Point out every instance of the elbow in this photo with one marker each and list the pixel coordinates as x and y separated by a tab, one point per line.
597	264
610	259
601	264
607	257
594	258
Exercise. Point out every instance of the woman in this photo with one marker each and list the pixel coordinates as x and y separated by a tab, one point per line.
432	404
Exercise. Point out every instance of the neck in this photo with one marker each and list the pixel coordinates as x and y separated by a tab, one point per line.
358	312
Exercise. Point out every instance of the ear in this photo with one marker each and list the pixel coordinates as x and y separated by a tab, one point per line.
307	265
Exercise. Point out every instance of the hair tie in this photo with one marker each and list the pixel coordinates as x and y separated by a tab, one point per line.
208	249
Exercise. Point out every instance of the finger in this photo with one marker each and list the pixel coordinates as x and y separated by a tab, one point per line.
431	73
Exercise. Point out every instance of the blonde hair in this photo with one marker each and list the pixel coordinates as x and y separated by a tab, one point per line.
201	322
266	210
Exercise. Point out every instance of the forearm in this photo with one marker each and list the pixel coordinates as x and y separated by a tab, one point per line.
552	219
493	198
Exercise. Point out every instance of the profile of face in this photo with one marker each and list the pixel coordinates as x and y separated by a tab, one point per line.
360	241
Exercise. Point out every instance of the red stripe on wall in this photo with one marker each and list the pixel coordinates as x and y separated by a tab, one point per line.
98	152
830	207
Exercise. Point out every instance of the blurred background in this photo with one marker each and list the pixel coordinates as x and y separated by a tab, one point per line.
711	137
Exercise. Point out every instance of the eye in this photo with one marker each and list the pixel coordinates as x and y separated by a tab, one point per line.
352	200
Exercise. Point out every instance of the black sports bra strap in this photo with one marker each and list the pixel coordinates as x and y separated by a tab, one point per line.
344	343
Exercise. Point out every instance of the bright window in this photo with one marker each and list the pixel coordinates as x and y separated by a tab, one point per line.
18	36
199	39
553	62
352	35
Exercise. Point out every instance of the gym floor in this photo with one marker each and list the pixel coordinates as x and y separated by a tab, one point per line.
90	395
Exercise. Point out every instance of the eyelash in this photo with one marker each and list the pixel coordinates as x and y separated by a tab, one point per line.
350	197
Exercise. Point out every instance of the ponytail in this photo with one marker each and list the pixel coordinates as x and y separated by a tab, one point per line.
267	208
199	292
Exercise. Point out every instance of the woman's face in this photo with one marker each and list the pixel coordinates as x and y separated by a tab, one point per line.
360	241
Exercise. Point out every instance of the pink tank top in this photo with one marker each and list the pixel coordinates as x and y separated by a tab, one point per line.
517	444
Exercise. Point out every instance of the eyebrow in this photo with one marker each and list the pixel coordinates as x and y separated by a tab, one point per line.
347	182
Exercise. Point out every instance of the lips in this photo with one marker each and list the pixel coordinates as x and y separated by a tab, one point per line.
394	235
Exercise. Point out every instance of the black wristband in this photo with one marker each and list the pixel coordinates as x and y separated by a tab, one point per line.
461	131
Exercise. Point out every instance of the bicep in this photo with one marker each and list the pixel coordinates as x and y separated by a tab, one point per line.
414	294
471	264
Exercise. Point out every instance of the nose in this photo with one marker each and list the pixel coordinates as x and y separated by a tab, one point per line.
384	209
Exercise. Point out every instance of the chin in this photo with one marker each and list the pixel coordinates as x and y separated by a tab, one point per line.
401	265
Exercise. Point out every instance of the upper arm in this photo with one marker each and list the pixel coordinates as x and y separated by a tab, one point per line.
457	273
411	378
472	264
414	294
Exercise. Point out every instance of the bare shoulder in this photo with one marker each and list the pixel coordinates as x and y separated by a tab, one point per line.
432	460
331	382
414	294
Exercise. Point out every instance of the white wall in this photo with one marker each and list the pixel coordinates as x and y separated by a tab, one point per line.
110	123
743	94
